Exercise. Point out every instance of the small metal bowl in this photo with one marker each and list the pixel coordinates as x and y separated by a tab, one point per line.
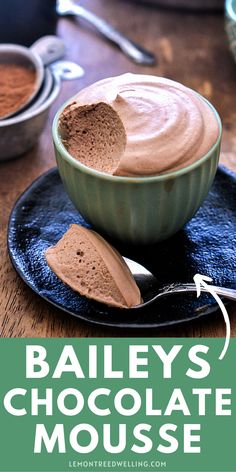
43	94
230	24
20	55
46	50
20	133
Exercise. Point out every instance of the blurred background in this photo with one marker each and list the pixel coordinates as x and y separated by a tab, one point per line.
186	37
190	40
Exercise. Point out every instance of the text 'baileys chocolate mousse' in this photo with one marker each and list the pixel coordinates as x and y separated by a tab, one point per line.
138	125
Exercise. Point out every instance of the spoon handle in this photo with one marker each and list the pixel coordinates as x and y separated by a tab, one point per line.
66	70
49	48
132	50
224	292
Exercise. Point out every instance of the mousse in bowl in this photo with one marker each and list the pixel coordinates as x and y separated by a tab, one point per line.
137	155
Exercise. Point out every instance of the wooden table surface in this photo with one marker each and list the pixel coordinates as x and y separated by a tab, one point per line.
192	49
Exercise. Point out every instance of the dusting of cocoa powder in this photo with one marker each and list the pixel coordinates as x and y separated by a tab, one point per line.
17	83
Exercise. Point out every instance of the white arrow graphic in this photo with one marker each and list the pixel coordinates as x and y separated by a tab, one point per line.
200	281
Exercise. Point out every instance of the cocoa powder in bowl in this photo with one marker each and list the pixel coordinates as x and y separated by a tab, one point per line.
17	83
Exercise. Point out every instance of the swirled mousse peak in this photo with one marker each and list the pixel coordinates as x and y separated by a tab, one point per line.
138	125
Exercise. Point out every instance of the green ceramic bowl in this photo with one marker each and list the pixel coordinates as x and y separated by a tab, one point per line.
230	24
140	210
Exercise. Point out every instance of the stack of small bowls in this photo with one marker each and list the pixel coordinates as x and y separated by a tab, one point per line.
19	133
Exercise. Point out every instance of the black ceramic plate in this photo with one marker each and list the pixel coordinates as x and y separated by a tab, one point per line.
206	245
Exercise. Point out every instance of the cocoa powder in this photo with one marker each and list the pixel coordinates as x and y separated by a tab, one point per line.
17	83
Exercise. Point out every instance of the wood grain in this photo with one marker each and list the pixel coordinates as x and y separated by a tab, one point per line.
191	49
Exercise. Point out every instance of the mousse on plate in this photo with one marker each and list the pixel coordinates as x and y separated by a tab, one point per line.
83	260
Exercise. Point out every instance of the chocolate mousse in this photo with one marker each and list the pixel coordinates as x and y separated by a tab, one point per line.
83	260
138	125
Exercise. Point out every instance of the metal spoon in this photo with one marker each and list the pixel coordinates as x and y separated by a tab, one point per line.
150	288
132	50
